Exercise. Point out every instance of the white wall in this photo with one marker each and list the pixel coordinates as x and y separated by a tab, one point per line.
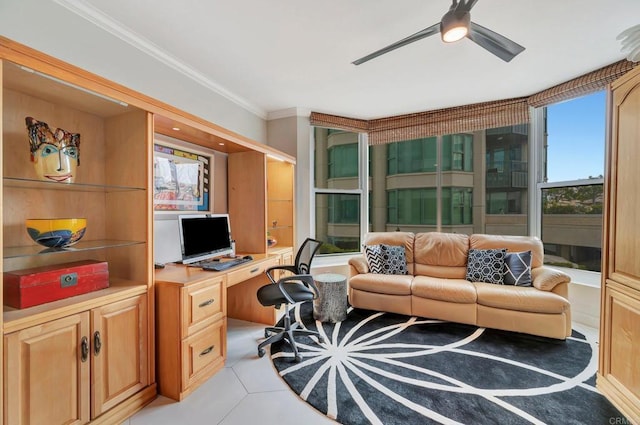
52	29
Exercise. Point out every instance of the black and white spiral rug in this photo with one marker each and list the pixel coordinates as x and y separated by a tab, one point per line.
382	368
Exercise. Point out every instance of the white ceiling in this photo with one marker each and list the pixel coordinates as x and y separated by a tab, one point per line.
276	55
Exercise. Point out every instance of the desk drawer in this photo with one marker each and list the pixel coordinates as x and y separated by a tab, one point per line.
250	271
202	352
202	304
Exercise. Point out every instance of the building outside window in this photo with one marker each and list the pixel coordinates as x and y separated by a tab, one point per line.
572	187
476	182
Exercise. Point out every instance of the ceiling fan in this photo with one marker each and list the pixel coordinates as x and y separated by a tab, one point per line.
455	25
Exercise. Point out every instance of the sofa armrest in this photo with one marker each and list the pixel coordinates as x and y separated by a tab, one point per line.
546	278
358	265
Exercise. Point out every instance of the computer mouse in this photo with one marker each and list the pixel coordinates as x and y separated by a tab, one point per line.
247	257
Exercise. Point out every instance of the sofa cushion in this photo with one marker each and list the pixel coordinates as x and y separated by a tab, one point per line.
517	268
520	298
442	289
512	244
392	284
441	249
486	265
386	259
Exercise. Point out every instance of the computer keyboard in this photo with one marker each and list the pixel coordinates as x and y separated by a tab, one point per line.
219	266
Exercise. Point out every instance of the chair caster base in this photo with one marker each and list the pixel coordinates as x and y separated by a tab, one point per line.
261	352
298	358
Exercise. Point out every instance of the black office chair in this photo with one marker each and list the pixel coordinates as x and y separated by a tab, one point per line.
290	290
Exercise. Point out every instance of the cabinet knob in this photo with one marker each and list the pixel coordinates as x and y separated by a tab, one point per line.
84	349
97	343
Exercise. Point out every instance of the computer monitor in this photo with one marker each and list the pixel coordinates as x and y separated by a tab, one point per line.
204	236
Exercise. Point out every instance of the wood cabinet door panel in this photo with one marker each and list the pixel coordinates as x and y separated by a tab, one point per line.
46	381
626	174
202	352
203	304
120	367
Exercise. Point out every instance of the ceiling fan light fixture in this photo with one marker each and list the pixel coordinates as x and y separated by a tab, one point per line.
454	26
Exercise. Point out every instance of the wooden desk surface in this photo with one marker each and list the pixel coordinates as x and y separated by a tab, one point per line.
184	274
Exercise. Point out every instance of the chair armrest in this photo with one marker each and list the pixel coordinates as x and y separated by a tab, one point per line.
359	265
285	267
546	278
306	279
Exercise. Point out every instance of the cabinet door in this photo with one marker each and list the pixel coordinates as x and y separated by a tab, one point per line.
47	374
119	352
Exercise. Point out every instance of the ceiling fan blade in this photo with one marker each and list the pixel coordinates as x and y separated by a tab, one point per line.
497	44
433	29
465	5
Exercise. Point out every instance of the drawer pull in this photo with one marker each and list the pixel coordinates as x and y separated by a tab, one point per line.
254	270
207	351
97	343
206	303
84	349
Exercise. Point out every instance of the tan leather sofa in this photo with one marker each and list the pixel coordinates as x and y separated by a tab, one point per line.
436	287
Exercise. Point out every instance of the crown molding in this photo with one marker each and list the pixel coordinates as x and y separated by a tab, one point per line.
101	20
289	112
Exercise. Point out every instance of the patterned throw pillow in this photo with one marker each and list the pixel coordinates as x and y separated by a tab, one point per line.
386	259
374	258
517	268
394	259
486	265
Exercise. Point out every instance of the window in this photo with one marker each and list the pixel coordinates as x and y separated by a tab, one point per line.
457	205
338	190
343	160
412	206
412	156
572	186
457	152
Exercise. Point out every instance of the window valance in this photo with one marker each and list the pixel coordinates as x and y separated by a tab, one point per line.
583	85
478	116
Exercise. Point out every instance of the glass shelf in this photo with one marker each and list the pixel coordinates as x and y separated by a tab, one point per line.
279	227
78	187
279	200
32	250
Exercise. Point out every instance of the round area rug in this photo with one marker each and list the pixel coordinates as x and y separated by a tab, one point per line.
384	368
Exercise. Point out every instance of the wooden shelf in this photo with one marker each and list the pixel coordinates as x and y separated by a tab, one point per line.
32	250
22	183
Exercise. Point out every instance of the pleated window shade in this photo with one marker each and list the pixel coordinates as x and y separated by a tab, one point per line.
473	117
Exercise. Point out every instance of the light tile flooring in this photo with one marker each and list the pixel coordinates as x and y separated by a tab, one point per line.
246	391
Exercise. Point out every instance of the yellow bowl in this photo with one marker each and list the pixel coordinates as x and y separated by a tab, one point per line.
56	232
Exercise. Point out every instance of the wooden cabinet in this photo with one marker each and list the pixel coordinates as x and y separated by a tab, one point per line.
191	327
46	374
111	191
74	369
261	201
619	369
119	348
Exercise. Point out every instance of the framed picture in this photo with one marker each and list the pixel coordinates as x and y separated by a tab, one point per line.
181	179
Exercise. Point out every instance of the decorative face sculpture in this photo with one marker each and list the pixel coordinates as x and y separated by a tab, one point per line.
55	155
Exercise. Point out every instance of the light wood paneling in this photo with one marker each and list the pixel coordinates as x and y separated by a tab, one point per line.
247	201
120	367
46	381
619	369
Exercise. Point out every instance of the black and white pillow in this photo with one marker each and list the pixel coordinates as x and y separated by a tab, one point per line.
373	253
386	259
486	265
517	268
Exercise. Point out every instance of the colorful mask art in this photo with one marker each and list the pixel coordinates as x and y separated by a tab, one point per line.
56	155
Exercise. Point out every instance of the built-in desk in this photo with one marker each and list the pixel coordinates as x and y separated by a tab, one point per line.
192	306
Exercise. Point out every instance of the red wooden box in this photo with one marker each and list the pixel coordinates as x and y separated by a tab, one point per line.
39	285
